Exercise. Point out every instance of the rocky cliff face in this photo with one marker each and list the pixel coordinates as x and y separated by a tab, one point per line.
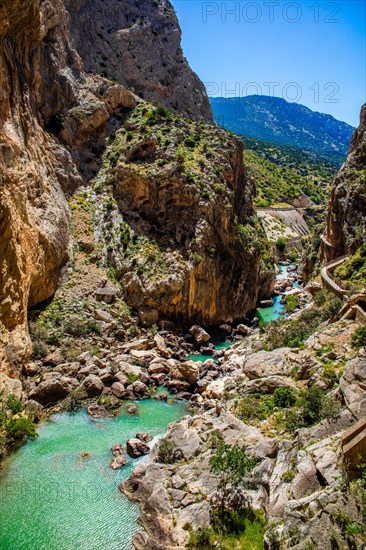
34	216
347	208
177	219
51	116
138	44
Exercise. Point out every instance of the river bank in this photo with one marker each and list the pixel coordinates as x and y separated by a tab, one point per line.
59	490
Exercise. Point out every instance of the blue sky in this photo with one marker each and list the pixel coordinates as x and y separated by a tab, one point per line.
310	52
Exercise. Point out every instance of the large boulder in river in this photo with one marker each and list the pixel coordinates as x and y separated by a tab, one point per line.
93	385
119	456
49	391
140	390
136	448
143	436
199	334
98	411
187	371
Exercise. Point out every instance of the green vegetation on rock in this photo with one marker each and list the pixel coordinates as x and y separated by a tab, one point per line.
234	524
353	271
14	424
283	174
293	332
358	338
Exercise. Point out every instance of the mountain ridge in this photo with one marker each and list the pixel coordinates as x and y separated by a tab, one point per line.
278	121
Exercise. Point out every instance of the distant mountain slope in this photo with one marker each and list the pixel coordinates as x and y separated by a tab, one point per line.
284	174
275	120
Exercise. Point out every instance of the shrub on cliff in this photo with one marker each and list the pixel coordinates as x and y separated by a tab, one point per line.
358	338
293	332
284	397
17	428
312	406
281	244
291	303
233	467
233	520
14	404
253	407
166	452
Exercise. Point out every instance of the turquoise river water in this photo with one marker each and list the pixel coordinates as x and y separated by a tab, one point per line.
53	499
266	314
271	313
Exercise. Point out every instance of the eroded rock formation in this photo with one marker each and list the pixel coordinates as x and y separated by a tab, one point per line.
138	44
347	209
52	118
176	218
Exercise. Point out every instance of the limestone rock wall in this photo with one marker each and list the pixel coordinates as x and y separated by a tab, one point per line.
177	221
138	44
346	220
51	114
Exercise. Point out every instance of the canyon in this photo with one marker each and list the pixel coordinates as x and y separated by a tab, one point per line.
55	119
132	259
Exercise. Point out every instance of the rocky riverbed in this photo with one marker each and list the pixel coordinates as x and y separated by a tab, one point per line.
300	475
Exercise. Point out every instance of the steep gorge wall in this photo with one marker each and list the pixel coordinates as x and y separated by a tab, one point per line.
346	220
34	220
177	221
139	45
41	77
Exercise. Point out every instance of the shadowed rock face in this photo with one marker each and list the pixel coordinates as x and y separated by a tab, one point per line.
138	44
34	218
43	91
347	207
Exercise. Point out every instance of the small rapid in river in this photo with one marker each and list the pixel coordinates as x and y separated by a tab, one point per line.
273	312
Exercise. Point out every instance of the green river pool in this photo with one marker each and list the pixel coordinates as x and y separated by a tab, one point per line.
53	499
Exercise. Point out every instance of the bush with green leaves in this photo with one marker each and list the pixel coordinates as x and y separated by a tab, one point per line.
14	404
358	338
291	303
288	476
284	397
233	466
233	520
17	428
281	244
313	405
253	407
166	451
197	259
250	533
293	332
190	142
